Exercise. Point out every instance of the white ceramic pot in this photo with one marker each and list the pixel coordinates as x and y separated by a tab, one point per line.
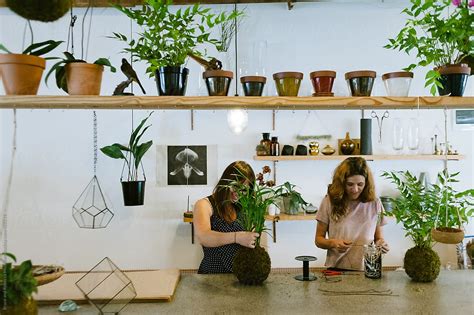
397	83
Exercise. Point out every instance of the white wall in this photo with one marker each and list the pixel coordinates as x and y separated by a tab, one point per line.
54	157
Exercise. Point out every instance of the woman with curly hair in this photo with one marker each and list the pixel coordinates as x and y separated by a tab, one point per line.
350	215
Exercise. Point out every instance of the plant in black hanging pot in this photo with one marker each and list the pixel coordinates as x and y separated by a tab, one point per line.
133	189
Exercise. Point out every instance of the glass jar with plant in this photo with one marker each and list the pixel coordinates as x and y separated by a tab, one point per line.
133	188
168	38
441	33
17	285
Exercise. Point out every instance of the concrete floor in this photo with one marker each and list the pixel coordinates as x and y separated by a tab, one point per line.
451	293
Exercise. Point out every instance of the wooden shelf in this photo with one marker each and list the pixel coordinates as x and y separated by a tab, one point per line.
128	3
229	102
367	157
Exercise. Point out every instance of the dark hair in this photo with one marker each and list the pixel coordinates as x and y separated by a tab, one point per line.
237	170
337	189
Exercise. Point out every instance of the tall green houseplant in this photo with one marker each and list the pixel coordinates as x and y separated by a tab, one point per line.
441	32
168	38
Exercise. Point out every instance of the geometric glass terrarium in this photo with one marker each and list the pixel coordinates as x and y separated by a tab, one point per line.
90	211
107	287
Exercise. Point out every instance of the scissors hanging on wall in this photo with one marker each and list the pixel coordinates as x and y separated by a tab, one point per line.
373	114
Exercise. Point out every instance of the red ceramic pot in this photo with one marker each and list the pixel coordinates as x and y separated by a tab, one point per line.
322	81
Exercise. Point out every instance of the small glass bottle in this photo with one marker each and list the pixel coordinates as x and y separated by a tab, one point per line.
266	143
275	147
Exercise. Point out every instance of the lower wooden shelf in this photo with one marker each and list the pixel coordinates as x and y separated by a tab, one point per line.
187	218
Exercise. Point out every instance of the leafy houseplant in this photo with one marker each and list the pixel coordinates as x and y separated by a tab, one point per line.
133	189
291	200
441	32
252	265
168	38
17	284
22	72
77	77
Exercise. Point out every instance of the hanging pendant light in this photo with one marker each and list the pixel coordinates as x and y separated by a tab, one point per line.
238	120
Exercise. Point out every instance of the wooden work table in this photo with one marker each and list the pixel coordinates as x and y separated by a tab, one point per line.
451	293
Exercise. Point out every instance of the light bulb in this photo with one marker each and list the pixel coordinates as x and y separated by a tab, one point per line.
237	119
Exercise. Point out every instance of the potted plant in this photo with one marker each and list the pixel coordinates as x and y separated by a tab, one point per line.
133	189
44	11
21	73
252	266
17	285
290	201
441	33
168	38
77	77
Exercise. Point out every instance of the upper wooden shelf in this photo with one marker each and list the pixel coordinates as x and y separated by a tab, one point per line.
228	102
367	157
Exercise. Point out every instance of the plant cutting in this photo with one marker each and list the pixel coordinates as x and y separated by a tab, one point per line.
441	34
22	72
168	38
133	189
77	77
17	285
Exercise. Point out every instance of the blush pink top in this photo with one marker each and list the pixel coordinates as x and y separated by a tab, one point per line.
358	226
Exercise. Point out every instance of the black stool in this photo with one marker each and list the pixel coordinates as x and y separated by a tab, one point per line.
305	276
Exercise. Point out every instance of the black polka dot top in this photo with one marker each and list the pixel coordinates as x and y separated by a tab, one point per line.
219	259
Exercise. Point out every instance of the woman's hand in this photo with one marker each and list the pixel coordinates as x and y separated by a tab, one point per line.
383	245
246	239
341	245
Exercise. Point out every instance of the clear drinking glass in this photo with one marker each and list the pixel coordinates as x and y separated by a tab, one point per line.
413	134
397	135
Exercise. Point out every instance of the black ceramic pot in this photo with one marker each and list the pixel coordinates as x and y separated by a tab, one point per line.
171	80
218	82
287	150
253	85
133	193
361	82
454	79
301	150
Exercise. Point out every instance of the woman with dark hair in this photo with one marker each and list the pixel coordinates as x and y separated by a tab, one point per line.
350	215
216	222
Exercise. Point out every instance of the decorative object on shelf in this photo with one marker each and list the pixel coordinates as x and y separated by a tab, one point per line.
435	145
43	11
413	135
397	135
306	276
107	287
261	150
347	146
133	189
131	75
263	178
322	82
291	201
288	83
301	150
217	81
372	261
440	32
366	136
360	82
315	137
21	73
328	150
397	83
385	115
237	120
90	211
253	85
313	148
310	209
161	48
453	79
17	287
67	306
48	273
267	143
275	147
288	150
387	203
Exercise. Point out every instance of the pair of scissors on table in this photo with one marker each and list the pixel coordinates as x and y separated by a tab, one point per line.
373	114
334	275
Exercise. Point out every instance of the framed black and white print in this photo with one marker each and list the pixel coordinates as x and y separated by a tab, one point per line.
463	119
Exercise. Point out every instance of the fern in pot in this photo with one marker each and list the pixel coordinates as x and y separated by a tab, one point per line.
133	187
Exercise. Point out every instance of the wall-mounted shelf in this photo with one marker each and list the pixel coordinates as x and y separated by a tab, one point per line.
229	102
273	218
367	157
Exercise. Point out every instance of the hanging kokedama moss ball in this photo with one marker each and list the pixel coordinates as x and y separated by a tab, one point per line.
251	265
40	10
422	264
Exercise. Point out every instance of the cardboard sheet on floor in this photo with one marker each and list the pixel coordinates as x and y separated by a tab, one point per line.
151	286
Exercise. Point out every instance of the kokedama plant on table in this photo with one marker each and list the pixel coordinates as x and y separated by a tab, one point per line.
442	34
133	189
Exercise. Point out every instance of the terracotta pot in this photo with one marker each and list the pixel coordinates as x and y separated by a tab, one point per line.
83	78
288	83
253	85
322	81
218	82
454	79
447	235
397	83
21	74
360	82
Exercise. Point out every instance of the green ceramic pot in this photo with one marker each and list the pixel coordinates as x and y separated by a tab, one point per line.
288	83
